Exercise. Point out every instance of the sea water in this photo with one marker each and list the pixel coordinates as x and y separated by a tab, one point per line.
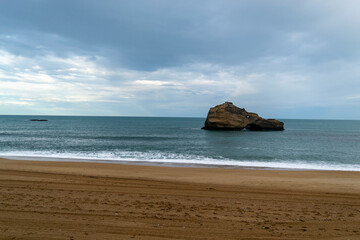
305	144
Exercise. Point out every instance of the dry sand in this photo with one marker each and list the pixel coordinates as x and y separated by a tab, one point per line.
64	200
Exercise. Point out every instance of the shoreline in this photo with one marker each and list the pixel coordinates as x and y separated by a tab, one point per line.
288	179
194	164
78	200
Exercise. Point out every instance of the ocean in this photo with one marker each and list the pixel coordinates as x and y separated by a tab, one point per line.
305	144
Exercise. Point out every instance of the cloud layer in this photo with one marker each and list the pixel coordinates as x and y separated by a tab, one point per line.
165	58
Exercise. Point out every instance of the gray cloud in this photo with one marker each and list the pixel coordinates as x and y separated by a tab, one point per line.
151	57
152	34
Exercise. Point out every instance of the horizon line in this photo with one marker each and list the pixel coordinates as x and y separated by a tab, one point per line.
53	115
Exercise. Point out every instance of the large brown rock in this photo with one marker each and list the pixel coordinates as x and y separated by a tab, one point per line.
229	117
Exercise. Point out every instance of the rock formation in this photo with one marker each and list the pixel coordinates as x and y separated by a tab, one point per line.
38	120
229	117
265	124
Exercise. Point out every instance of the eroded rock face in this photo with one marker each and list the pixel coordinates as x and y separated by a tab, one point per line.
265	124
229	117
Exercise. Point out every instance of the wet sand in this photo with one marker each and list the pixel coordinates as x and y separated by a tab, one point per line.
68	200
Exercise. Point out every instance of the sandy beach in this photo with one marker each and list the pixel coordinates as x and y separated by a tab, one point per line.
71	200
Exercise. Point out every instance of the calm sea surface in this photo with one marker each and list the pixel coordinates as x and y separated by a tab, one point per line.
305	144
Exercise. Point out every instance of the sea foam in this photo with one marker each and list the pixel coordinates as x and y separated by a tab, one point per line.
173	159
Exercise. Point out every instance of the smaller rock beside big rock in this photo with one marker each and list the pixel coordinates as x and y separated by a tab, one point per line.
229	117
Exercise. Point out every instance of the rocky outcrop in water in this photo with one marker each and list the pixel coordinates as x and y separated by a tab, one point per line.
38	120
229	117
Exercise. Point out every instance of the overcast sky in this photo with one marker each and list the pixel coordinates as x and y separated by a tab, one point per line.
284	59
